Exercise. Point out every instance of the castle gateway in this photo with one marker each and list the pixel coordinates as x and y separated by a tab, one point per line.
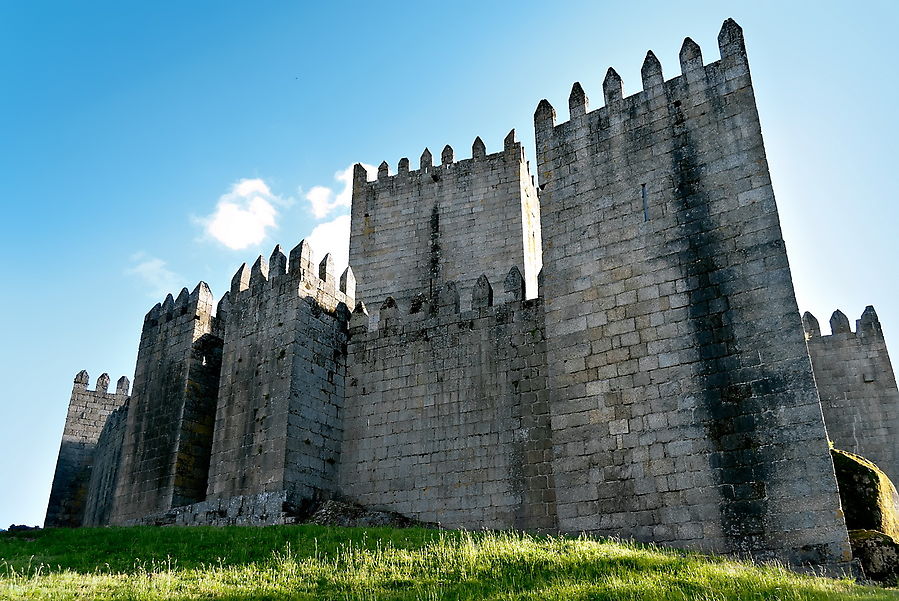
609	345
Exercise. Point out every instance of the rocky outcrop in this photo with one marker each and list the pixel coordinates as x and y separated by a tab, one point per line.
877	554
869	499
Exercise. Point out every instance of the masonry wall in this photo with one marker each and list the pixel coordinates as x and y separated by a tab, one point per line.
447	415
684	410
168	434
105	468
282	387
857	386
451	222
88	410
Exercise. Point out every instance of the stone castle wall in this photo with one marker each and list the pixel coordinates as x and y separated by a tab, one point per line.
87	416
685	411
447	412
168	435
278	422
105	468
451	222
857	386
656	386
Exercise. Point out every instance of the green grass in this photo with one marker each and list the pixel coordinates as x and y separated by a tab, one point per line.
314	562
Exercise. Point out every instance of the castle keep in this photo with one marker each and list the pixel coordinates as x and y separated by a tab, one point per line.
608	344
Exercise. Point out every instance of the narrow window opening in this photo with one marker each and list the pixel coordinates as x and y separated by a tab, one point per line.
645	202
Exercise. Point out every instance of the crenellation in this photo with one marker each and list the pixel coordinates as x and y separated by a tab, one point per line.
348	282
690	58
258	273
645	372
240	281
478	149
651	72
577	101
102	383
839	323
612	87
426	161
277	263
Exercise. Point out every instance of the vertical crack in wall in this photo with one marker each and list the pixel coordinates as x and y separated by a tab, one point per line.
434	250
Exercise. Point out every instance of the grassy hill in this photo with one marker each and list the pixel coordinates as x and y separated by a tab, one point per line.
316	562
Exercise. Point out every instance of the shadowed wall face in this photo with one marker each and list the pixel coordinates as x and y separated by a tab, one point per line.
685	411
168	433
857	386
105	469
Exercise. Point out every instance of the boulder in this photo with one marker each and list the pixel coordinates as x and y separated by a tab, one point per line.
877	554
869	499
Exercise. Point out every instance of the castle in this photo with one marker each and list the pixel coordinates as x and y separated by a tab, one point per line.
615	348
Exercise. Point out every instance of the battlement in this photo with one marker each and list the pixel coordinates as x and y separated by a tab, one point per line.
448	168
431	308
656	93
297	275
82	381
417	230
188	306
866	327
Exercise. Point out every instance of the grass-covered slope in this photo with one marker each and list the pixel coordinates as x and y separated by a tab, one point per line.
314	562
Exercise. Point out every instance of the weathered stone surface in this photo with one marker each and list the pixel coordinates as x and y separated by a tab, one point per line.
857	387
869	499
352	515
877	554
417	230
447	419
277	423
683	404
86	419
168	433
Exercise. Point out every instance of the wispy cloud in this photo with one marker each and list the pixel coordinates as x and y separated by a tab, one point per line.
332	237
324	200
153	273
244	215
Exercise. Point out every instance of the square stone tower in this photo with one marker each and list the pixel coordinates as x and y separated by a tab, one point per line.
413	231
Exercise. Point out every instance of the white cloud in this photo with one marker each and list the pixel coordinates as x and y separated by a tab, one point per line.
332	237
153	273
324	200
244	215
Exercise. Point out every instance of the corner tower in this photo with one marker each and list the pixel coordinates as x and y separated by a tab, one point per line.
685	411
168	432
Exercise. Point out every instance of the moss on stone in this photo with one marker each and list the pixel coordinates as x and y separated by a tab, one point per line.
877	554
869	499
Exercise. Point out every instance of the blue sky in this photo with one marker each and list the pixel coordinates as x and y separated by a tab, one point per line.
147	146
